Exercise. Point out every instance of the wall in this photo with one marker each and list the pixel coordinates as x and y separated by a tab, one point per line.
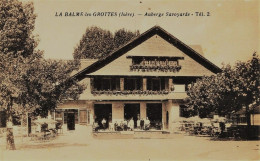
174	115
255	119
155	46
117	111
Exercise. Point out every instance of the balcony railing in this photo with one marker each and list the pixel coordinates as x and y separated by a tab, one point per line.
128	92
150	68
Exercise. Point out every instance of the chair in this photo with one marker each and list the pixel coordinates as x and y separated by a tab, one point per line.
59	127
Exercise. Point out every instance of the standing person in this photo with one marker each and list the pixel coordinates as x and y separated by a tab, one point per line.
128	125
116	126
131	124
138	123
104	123
125	125
142	124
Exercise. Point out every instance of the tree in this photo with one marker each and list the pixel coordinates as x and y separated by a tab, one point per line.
48	83
123	36
227	91
16	42
97	43
29	83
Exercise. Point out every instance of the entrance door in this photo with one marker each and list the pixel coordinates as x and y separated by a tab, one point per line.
167	119
103	111
29	125
71	121
154	114
132	111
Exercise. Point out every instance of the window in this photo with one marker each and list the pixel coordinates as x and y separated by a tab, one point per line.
106	83
241	119
83	116
155	84
132	84
71	111
58	114
136	61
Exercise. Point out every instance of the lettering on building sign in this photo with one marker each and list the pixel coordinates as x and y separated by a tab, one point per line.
151	63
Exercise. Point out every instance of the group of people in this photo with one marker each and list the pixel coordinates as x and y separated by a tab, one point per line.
141	124
122	125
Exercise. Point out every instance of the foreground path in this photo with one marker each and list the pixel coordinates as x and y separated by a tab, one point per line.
79	145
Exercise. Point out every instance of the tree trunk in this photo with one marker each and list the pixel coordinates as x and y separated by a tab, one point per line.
248	121
9	131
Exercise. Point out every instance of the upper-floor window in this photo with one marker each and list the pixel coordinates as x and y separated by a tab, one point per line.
133	84
155	84
182	84
106	83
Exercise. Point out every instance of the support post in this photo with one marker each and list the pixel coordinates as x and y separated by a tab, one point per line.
170	87
121	84
144	84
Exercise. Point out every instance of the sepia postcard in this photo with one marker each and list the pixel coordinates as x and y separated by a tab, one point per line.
143	80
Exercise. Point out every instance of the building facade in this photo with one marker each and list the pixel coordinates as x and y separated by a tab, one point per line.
146	78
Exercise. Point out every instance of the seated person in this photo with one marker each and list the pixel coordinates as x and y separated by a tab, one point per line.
121	126
95	126
147	124
104	123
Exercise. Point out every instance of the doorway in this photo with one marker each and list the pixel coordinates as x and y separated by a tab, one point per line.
71	121
167	120
29	125
103	111
154	114
132	111
71	118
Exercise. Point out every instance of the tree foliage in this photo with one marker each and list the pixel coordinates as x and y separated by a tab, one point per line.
229	91
45	85
16	26
97	43
28	82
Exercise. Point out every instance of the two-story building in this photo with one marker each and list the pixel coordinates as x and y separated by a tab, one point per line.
145	78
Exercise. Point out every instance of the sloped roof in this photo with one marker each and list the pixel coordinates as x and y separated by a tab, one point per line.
84	63
255	110
140	39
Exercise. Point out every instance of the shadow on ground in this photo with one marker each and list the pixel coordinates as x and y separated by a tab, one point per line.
50	145
232	139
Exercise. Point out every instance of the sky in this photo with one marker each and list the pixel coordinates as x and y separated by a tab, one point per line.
229	34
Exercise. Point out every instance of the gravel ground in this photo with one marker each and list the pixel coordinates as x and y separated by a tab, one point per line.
79	145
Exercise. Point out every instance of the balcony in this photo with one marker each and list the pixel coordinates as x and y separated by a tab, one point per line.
133	88
150	68
128	92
